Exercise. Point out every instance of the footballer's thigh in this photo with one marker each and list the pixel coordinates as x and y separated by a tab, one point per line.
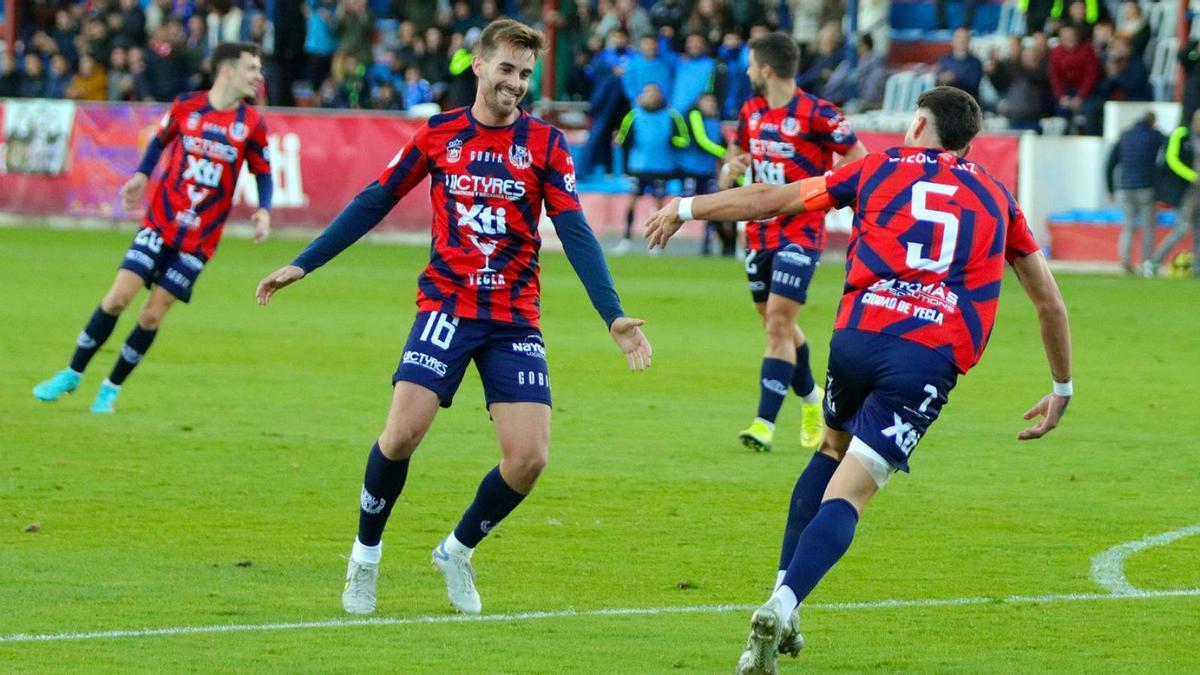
411	414
523	429
124	289
155	309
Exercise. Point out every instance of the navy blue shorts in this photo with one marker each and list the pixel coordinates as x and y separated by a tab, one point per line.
511	360
784	271
885	390
654	184
158	264
699	185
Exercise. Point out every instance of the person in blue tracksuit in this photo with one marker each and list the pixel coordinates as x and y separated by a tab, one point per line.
651	134
698	164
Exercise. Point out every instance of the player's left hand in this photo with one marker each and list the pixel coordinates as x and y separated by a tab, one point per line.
627	333
663	223
280	278
1050	409
262	225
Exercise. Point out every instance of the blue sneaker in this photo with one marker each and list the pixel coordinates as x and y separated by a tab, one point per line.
106	398
63	382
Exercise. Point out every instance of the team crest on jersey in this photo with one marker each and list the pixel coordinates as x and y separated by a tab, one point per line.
519	157
790	126
841	129
238	131
193	121
454	150
754	119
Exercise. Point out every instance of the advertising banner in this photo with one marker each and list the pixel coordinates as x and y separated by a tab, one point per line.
37	133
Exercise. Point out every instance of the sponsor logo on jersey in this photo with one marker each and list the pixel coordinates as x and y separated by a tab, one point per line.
454	151
569	182
425	361
202	171
481	219
197	145
753	121
795	257
531	346
193	121
903	434
936	293
487	156
494	187
840	129
519	157
191	262
783	149
238	131
140	259
790	126
214	128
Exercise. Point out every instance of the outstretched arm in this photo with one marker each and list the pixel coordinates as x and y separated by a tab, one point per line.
1039	284
751	202
585	256
360	215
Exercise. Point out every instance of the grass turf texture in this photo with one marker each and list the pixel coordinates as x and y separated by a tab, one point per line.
242	438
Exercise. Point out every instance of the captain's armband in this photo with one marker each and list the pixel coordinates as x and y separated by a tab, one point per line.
814	194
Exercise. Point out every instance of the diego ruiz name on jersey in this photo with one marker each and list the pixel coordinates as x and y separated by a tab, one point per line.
788	144
195	196
487	185
926	257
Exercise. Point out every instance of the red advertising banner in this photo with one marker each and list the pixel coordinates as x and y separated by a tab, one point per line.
319	162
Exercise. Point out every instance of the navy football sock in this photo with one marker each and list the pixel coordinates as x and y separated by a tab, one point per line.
629	223
802	379
132	351
493	501
94	335
821	545
776	373
806	499
382	483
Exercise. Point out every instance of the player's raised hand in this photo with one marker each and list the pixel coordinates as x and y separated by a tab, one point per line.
132	191
284	276
627	333
262	225
662	224
1050	409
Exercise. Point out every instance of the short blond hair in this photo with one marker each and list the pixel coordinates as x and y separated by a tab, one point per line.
510	32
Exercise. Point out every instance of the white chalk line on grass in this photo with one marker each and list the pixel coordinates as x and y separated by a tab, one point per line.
1108	567
565	614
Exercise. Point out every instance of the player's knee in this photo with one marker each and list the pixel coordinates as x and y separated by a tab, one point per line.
150	319
834	445
529	465
780	329
397	443
115	302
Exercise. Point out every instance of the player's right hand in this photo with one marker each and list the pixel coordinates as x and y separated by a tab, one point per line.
132	191
284	276
1050	409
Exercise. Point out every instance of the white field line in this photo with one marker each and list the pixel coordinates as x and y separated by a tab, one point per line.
564	614
1108	567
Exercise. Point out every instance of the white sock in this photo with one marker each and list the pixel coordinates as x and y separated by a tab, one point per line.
369	555
813	397
77	372
455	547
779	580
787	600
770	424
107	383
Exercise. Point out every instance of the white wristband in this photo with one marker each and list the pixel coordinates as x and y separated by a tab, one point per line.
1063	389
685	208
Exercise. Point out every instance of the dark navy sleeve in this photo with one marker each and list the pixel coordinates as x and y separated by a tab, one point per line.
266	189
583	251
150	159
360	215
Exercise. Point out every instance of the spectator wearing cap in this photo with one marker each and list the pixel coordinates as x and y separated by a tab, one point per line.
1130	176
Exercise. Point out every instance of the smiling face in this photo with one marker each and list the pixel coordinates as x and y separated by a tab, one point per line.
504	77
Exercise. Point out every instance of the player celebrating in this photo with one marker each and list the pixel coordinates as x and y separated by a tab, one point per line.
491	167
926	258
216	131
784	135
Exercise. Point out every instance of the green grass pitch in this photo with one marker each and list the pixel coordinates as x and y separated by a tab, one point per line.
225	489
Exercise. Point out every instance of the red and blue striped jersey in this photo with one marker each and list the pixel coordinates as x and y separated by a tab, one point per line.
932	232
191	203
788	144
487	186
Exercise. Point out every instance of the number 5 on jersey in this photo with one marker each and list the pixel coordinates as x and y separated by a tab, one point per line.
948	221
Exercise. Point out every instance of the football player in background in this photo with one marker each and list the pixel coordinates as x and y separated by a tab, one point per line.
209	134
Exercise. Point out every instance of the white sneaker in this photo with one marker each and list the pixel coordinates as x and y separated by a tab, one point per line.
766	627
359	594
460	579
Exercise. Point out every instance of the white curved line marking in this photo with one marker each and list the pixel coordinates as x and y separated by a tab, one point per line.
1108	567
565	614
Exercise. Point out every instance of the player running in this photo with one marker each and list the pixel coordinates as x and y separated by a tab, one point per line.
216	131
491	167
932	232
784	135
